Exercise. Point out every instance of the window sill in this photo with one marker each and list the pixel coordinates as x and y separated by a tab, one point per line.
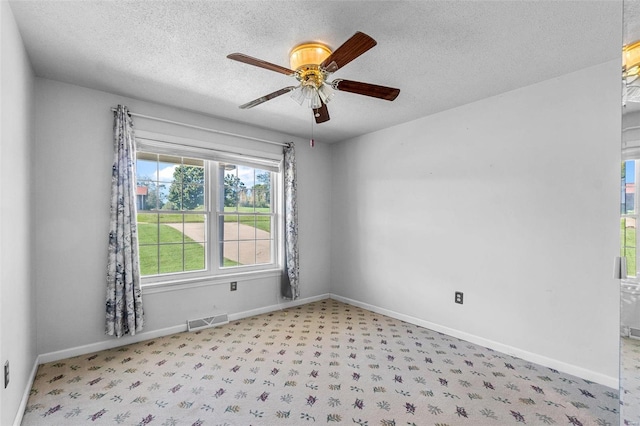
182	284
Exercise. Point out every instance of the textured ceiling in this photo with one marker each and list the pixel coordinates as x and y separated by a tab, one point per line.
441	54
631	21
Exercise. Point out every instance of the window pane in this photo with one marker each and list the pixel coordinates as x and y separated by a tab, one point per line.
245	239
263	223
247	228
246	189
169	182
147	228
263	251
195	227
171	242
232	186
193	196
147	166
167	171
262	191
147	181
247	252
229	254
171	258
246	176
181	257
148	259
170	228
194	257
628	187
629	243
230	229
162	196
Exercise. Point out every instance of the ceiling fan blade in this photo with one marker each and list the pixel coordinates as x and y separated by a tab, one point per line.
268	97
321	114
367	89
349	50
240	57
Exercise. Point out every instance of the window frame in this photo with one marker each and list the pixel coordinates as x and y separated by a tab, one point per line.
218	211
213	154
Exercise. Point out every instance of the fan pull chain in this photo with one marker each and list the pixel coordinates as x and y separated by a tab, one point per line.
312	142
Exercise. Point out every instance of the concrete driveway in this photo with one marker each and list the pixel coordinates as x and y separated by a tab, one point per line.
239	245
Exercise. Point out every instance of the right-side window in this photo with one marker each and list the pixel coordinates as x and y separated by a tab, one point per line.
245	216
629	216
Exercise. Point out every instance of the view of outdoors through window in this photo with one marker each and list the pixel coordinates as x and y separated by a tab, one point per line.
174	217
246	216
629	216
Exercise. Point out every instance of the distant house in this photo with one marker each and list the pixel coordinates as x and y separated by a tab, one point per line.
141	196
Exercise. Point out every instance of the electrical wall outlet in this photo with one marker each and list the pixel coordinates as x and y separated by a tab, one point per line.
459	297
6	374
234	285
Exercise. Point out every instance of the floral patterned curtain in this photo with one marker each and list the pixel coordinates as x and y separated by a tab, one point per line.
290	285
124	295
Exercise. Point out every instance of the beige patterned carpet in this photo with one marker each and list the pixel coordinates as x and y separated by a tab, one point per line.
321	363
630	380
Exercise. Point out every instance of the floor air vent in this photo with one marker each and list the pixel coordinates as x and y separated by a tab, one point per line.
206	322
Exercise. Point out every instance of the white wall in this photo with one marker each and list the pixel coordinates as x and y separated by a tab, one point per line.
73	156
512	200
17	329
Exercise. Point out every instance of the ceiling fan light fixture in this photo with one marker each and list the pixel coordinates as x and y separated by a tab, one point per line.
632	94
314	98
297	95
308	54
326	93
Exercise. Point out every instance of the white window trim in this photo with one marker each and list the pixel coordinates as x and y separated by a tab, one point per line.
172	285
215	274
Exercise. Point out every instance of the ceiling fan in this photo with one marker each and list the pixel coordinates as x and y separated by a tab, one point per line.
311	65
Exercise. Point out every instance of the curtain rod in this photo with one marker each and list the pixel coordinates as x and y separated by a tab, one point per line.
206	129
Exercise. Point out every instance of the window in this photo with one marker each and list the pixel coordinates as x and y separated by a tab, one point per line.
245	216
629	216
202	215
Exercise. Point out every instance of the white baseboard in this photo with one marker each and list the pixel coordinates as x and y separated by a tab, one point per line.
25	396
127	340
110	344
279	306
583	373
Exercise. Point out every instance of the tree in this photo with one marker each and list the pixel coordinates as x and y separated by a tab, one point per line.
187	189
262	190
233	186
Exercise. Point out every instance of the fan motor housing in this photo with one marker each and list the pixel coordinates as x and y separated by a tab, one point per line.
307	55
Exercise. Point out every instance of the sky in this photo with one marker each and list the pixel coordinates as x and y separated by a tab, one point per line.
147	169
163	172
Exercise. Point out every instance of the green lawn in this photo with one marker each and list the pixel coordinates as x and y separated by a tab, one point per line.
170	251
261	222
171	254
